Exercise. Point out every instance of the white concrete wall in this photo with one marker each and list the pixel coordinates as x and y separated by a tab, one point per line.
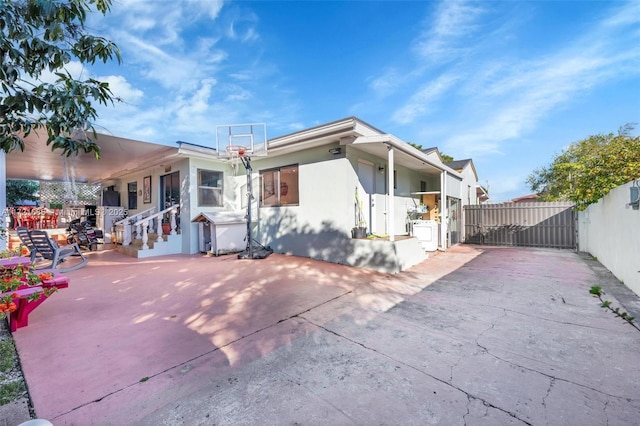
326	207
610	231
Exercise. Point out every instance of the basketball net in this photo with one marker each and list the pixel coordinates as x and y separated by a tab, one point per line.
235	153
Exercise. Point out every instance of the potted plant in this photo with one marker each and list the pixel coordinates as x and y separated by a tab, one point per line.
360	230
166	226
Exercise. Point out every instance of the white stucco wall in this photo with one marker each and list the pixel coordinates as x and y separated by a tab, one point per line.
325	210
454	187
610	231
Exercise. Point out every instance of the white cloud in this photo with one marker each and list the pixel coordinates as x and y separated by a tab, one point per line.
171	71
243	28
421	103
195	105
385	83
239	94
453	24
212	7
121	88
628	13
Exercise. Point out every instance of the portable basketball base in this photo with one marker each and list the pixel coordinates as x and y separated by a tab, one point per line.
254	249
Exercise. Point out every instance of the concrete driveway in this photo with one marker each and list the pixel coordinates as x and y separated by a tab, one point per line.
474	336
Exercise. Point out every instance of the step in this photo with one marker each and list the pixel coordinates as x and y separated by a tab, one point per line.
172	244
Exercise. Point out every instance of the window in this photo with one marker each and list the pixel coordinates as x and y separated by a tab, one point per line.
279	187
209	188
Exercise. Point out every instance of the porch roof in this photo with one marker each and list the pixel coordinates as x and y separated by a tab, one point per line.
406	155
118	156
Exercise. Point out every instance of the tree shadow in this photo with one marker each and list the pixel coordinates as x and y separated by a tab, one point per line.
286	233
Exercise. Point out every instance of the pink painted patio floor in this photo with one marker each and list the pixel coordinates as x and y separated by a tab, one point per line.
123	320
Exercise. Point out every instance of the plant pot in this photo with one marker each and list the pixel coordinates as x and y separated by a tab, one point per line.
359	232
166	228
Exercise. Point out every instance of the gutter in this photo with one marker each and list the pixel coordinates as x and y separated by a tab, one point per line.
327	130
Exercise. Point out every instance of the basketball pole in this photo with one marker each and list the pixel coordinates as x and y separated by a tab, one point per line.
246	162
250	251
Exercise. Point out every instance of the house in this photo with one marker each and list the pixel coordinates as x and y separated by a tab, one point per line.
310	189
482	194
529	198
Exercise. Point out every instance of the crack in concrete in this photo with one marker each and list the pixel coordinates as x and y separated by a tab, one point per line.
549	376
544	398
296	315
543	318
604	411
464	418
469	395
483	349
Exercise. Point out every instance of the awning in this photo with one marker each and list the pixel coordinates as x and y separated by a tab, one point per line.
119	156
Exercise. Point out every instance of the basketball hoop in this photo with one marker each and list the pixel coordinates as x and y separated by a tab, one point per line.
236	151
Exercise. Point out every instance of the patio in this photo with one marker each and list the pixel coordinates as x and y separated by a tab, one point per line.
204	340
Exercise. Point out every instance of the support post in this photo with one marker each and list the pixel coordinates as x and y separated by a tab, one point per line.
391	196
444	213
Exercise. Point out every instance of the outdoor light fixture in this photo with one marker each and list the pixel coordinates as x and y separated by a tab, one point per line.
336	151
381	169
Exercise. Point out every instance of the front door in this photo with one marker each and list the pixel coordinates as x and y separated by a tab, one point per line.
454	223
170	185
364	197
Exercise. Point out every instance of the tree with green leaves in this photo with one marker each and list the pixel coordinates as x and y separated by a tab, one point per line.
21	190
446	158
588	169
38	39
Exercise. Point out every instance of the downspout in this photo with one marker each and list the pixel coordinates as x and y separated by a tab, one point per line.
390	196
443	210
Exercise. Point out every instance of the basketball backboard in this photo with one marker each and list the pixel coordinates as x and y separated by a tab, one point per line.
252	136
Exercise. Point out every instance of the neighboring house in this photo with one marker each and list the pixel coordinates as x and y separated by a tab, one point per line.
310	190
481	194
531	198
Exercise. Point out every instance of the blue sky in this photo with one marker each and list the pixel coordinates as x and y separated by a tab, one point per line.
508	84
